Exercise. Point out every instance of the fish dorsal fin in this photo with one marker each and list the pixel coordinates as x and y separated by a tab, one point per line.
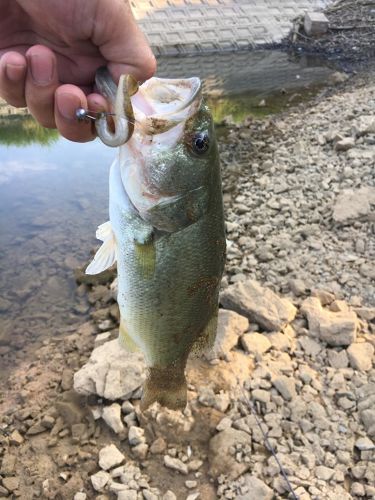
106	256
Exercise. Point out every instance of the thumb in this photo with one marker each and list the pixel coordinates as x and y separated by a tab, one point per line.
121	42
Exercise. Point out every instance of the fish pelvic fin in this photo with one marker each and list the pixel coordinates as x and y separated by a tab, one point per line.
125	340
166	386
106	256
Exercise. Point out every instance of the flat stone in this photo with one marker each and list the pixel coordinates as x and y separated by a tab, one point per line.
338	359
231	326
353	204
364	444
110	456
99	480
261	395
335	328
260	305
11	483
221	460
175	464
253	488
111	372
286	387
345	144
255	343
324	473
127	495
360	356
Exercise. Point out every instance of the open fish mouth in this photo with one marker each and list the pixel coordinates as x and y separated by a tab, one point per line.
162	97
161	103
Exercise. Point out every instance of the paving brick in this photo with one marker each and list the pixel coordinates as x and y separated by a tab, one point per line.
185	26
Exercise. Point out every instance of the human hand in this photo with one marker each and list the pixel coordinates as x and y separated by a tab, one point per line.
50	50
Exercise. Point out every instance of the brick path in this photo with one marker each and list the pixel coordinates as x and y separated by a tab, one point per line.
192	26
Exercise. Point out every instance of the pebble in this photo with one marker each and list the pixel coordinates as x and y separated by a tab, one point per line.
361	356
364	444
11	483
136	435
286	387
175	464
110	456
112	417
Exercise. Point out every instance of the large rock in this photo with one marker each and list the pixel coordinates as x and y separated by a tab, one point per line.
335	328
111	372
222	457
230	327
260	305
353	204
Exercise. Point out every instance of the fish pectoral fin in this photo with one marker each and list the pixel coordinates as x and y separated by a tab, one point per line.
175	213
104	231
106	256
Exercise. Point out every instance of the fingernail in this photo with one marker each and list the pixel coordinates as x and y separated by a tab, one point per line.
41	69
15	72
67	105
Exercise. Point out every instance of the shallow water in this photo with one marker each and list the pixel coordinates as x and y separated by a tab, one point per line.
53	194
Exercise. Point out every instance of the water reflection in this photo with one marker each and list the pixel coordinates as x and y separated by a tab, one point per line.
51	200
21	130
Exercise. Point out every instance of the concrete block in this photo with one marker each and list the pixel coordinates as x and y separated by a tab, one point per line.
315	23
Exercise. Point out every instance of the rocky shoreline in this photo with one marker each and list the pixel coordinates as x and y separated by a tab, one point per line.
296	341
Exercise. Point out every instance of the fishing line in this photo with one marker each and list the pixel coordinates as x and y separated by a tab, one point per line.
265	436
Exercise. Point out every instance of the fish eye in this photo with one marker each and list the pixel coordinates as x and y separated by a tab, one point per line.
200	142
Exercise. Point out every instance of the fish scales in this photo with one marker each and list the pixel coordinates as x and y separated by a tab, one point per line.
167	224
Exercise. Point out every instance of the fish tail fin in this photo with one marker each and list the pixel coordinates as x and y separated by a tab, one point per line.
167	386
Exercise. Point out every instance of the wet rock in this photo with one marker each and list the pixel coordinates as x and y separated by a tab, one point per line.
230	327
335	328
222	459
99	480
111	372
353	204
361	355
175	464
112	417
260	305
255	343
110	456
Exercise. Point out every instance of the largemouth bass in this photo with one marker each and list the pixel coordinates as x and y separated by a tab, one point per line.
166	227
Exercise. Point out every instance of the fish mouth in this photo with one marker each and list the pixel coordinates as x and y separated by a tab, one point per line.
166	101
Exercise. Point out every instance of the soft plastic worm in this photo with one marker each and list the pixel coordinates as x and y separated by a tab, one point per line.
123	115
